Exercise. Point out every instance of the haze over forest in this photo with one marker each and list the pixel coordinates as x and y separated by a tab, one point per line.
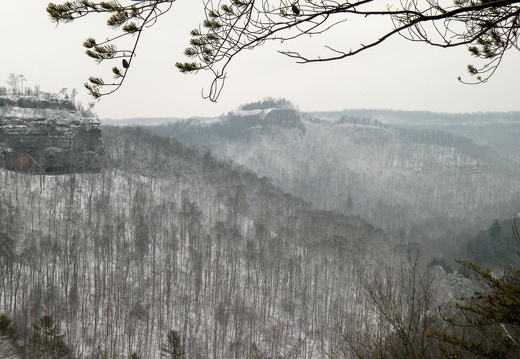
339	218
267	232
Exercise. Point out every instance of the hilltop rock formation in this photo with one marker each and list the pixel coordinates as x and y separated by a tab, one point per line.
48	137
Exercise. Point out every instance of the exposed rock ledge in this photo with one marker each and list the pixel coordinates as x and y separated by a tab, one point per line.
49	141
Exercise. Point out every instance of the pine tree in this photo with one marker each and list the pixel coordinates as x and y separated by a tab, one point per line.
487	27
487	324
47	341
7	328
173	348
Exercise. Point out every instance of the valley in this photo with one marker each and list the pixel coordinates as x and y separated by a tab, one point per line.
266	233
420	185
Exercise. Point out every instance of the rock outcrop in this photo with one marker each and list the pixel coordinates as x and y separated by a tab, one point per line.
49	141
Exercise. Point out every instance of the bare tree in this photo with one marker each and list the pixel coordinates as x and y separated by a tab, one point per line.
396	317
22	80
12	81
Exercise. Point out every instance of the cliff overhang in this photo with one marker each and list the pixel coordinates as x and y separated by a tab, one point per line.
49	141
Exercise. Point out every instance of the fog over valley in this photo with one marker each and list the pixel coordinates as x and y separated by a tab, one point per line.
276	179
267	232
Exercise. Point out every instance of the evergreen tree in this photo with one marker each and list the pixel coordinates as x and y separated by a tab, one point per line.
7	328
487	324
47	341
173	348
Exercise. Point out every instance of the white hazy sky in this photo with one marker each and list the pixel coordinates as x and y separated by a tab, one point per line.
397	75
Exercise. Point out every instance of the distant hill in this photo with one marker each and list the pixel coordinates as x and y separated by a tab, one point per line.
145	121
418	117
497	130
416	184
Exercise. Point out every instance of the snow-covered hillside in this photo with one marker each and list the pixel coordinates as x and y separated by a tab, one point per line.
415	184
167	239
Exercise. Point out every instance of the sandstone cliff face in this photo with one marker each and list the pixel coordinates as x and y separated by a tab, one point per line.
49	141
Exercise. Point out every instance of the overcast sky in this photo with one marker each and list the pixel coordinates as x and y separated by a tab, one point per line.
397	75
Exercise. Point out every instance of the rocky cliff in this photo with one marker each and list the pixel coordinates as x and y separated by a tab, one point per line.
53	140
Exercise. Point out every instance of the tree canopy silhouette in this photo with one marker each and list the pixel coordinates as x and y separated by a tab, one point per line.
487	27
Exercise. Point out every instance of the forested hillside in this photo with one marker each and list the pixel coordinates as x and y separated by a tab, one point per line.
415	184
493	248
496	130
168	243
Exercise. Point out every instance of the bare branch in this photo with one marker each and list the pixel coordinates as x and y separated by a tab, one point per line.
487	27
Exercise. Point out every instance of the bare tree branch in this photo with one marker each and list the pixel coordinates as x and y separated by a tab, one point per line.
487	27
